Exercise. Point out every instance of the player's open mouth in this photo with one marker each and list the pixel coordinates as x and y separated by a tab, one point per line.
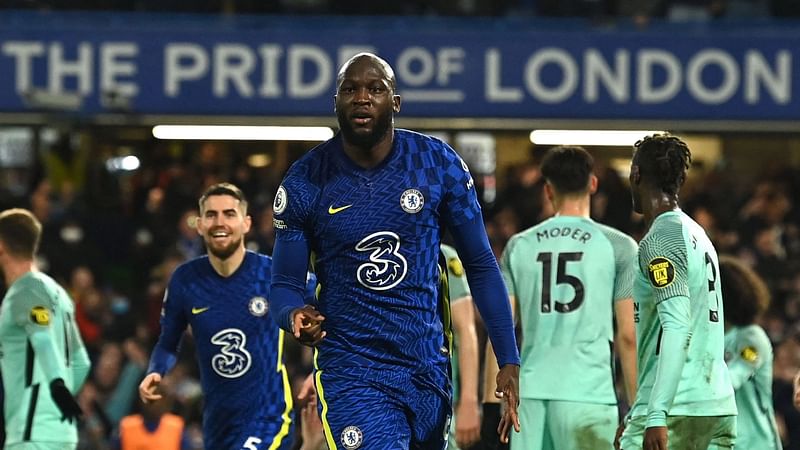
219	234
361	118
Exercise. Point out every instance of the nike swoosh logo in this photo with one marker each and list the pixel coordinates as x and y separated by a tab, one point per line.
332	210
200	310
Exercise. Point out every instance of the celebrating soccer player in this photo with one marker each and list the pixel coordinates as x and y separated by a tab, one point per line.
224	296
369	203
748	353
43	360
571	277
685	398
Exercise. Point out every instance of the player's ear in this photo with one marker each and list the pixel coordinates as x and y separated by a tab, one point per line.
592	184
334	103
248	222
396	101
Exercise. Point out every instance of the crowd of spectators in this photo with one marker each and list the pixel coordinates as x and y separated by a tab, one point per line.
641	11
114	238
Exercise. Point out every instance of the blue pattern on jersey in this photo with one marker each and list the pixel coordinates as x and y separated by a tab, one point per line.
376	234
237	349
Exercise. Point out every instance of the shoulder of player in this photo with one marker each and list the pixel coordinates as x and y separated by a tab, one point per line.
616	236
30	289
425	143
754	335
448	251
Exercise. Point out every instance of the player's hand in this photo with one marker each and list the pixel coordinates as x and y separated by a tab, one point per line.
655	438
308	325
70	410
618	435
308	391
149	386
508	390
797	390
468	423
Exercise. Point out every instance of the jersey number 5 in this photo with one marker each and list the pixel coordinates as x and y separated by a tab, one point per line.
561	278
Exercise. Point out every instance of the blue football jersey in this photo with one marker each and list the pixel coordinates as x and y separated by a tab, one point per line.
239	348
375	236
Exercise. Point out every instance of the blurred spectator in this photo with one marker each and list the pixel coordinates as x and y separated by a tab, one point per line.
156	427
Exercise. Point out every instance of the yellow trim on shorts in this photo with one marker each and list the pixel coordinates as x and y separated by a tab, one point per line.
287	396
326	428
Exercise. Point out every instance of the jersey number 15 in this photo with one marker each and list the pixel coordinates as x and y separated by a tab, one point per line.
562	277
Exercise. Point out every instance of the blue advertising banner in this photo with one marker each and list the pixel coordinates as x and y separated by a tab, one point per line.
288	66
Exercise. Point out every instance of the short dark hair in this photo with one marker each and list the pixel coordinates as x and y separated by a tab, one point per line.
568	168
744	293
20	232
223	189
663	160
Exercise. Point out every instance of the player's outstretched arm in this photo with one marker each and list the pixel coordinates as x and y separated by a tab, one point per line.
625	345
468	420
148	388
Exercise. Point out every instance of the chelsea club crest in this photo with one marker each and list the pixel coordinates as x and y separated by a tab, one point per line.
258	306
352	437
412	201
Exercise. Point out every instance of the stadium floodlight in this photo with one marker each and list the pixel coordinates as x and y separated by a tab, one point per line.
241	133
589	137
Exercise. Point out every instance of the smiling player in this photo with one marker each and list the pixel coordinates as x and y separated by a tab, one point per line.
225	298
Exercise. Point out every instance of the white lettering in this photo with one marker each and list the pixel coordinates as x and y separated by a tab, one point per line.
496	93
730	76
298	54
60	68
450	60
175	71
23	53
406	60
596	70
569	79
645	91
270	62
234	63
114	66
778	82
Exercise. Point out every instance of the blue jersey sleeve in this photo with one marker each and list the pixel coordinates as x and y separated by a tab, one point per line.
488	290
292	206
173	324
460	203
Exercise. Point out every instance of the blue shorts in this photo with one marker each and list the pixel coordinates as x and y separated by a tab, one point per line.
256	435
384	409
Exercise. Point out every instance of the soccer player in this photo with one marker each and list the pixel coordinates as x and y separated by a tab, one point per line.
685	397
225	298
465	426
43	359
572	278
370	203
748	353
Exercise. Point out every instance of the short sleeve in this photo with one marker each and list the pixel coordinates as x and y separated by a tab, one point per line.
460	201
31	307
292	205
625	264
505	268
663	260
752	350
457	279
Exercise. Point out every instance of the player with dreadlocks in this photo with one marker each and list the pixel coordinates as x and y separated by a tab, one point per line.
684	396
